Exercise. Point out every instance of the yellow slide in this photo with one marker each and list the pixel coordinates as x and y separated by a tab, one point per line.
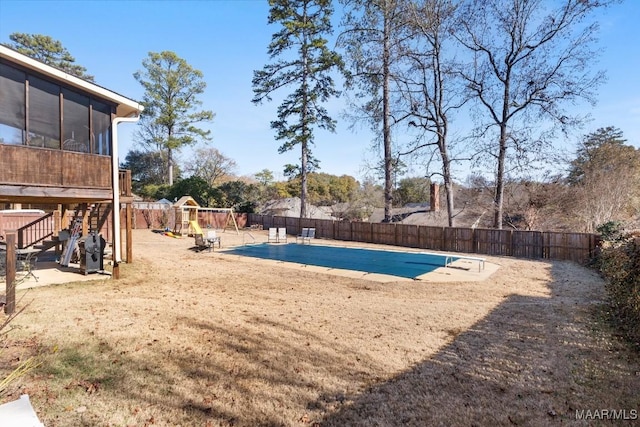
195	227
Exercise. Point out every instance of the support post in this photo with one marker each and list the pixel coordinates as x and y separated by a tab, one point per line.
123	248
57	220
10	306
57	226
129	214
64	218
85	219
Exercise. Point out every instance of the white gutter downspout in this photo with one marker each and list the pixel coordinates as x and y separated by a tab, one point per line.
117	254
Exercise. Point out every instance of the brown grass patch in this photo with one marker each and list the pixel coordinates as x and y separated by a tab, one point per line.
204	339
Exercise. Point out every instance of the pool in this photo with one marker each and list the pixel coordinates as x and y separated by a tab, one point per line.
395	263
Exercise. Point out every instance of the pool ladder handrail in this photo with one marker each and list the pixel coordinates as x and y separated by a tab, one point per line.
245	234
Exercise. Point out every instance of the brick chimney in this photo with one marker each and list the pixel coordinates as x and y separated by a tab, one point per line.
434	193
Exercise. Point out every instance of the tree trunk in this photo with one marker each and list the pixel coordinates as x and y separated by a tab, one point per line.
303	181
499	194
448	186
170	165
386	131
304	157
502	153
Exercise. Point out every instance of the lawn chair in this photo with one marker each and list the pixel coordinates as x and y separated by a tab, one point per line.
212	239
306	235
26	263
282	235
303	233
201	243
273	235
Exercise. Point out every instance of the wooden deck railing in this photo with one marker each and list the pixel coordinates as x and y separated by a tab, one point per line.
36	231
125	182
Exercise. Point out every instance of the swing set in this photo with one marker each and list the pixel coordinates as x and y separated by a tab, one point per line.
186	214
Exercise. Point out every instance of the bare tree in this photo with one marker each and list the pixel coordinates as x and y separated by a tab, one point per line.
533	205
211	165
605	179
526	63
430	88
373	34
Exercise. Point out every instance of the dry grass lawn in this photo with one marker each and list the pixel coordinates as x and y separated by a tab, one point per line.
207	339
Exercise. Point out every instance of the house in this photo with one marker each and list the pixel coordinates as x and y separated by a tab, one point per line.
290	207
59	151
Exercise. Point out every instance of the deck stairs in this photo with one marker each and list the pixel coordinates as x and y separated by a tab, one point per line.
40	234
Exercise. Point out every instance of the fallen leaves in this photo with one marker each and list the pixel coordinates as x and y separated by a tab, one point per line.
90	387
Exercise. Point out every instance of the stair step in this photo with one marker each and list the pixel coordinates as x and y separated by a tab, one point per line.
47	244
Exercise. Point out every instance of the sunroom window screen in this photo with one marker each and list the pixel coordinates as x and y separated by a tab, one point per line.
75	123
12	105
101	137
44	113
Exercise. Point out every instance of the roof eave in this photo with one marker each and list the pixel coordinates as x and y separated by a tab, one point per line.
125	107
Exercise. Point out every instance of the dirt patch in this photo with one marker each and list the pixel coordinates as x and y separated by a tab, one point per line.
188	338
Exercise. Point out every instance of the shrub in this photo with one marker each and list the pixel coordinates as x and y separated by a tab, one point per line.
619	263
612	231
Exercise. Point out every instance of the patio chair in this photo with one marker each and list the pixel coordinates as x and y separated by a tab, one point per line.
306	235
201	243
310	235
282	235
26	263
303	233
273	235
212	239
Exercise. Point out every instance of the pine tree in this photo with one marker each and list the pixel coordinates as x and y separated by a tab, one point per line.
47	50
302	61
171	105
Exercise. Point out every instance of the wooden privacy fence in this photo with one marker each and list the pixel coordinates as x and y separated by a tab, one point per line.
154	215
578	247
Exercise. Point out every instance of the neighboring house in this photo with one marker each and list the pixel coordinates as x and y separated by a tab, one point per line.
290	207
59	148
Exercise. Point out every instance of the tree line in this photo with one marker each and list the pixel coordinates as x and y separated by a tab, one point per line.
411	65
409	69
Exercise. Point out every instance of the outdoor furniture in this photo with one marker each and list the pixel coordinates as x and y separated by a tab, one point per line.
212	239
26	263
277	235
201	244
282	235
306	235
273	235
208	242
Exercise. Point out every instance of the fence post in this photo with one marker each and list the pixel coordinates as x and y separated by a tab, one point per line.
10	305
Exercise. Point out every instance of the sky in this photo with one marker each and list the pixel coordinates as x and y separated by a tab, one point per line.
227	40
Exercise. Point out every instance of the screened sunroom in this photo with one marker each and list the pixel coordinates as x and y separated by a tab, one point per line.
59	150
40	113
57	133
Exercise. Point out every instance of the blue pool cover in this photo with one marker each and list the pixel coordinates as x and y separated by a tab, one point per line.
403	264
